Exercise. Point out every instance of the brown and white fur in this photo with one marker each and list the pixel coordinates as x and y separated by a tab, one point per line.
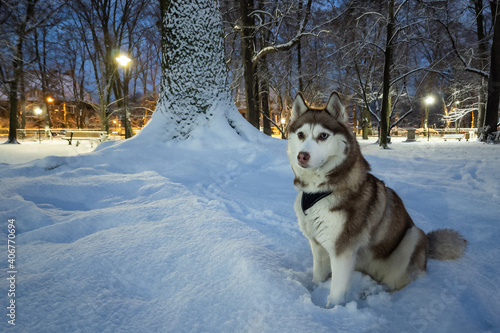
362	225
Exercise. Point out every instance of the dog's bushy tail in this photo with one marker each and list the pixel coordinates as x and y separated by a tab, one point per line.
445	244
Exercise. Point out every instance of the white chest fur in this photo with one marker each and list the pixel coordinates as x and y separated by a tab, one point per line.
321	224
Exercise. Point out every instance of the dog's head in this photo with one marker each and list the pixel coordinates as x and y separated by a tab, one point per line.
318	138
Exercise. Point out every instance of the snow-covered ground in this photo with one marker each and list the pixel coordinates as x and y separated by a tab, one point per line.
200	236
30	150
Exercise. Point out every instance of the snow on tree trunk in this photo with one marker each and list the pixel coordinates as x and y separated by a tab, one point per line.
193	70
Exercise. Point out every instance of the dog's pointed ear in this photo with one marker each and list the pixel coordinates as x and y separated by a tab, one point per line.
335	108
299	106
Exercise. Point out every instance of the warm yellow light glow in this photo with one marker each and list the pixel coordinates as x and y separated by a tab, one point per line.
50	99
123	60
429	100
283	121
38	111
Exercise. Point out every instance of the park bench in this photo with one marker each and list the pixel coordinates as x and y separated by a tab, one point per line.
92	136
453	136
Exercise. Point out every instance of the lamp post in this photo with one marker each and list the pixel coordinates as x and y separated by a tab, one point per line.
459	120
52	100
429	100
124	62
38	111
283	121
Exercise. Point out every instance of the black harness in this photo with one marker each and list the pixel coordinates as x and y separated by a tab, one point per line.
310	199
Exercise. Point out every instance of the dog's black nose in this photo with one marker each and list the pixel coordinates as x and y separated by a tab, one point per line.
303	157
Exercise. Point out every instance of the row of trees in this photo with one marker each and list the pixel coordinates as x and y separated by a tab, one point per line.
385	56
44	40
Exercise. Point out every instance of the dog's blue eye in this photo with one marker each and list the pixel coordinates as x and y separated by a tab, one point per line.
300	135
323	136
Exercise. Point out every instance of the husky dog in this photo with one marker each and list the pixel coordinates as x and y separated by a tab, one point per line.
352	219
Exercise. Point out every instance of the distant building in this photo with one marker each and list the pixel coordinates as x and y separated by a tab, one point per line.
68	104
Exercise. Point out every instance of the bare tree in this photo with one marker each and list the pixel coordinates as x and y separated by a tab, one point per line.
107	28
21	20
483	57
378	63
271	20
388	62
472	56
248	44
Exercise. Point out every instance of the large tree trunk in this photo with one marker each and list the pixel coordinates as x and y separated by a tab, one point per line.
247	53
264	97
22	97
128	125
491	114
299	55
194	80
17	64
44	78
483	59
384	124
365	122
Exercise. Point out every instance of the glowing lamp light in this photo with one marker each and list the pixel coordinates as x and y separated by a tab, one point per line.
38	111
429	100
123	60
50	99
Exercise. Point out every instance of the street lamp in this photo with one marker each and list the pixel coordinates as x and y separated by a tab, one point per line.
283	121
51	100
429	100
38	111
124	61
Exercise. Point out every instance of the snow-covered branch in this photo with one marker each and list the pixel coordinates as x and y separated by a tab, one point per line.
372	13
301	32
461	58
285	46
458	114
401	118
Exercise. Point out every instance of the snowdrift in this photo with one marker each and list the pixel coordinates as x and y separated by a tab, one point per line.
200	236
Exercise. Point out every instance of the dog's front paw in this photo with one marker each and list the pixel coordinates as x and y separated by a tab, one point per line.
335	299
